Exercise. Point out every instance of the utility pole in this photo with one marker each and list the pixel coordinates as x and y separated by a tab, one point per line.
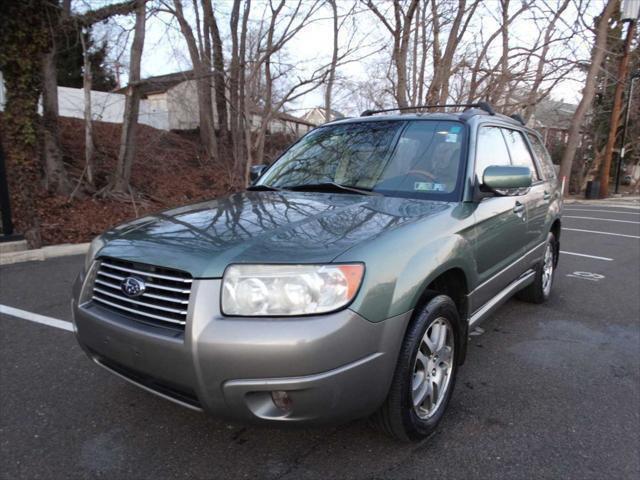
617	106
634	77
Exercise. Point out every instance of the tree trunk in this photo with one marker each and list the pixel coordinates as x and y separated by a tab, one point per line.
334	60
503	78
89	146
211	25
55	175
616	113
126	153
267	112
401	33
244	118
203	78
532	98
433	92
235	109
24	37
597	55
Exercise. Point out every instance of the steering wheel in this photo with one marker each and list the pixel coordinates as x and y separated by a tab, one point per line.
422	173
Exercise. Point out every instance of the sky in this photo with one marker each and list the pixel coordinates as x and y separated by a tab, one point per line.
165	50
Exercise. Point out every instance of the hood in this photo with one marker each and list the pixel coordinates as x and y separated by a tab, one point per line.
261	227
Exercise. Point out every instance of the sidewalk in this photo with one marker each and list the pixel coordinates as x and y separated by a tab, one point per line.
43	253
632	202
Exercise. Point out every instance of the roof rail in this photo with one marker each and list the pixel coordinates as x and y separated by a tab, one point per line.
517	117
481	105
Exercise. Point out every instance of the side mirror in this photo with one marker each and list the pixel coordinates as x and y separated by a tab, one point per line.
256	171
506	180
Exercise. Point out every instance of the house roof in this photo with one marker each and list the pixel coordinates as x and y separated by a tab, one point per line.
291	118
161	83
554	114
317	115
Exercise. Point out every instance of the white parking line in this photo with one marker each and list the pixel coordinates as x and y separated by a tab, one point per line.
602	219
37	318
588	256
599	211
601	233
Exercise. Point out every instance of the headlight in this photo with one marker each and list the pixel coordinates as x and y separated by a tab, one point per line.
96	244
279	290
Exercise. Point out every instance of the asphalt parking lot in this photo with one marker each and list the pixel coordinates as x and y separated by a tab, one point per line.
548	391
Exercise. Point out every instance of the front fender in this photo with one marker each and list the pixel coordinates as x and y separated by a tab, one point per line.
399	270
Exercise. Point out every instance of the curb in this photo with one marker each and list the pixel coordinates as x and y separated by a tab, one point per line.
44	253
628	203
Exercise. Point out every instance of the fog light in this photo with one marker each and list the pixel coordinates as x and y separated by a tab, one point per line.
282	400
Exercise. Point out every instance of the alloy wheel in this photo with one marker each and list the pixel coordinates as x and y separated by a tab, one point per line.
432	368
547	269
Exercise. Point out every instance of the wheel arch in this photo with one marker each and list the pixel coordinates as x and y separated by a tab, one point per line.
556	228
452	282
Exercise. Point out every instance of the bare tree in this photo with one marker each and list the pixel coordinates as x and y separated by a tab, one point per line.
89	146
532	97
334	60
400	30
201	60
126	153
61	22
55	178
211	30
237	75
281	26
597	55
438	92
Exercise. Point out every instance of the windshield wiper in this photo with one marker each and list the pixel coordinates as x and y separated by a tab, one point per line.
263	188
329	186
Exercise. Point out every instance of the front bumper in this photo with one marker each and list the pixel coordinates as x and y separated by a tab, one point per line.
334	367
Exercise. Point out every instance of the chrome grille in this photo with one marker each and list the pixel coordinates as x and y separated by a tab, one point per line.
164	301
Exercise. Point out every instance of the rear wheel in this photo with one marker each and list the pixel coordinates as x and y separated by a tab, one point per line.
425	374
540	290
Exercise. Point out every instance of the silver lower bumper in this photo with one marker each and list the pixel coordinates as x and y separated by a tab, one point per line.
334	367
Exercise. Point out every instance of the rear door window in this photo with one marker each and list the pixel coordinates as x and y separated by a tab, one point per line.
491	150
543	157
520	154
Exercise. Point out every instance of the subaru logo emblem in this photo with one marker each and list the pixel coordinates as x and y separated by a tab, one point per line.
133	286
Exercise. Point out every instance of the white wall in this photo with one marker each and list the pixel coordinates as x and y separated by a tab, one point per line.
177	109
182	106
109	107
2	94
105	107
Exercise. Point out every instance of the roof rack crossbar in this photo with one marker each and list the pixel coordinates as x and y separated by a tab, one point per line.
481	105
518	118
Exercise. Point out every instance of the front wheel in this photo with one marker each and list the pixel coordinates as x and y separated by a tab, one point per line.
425	374
540	290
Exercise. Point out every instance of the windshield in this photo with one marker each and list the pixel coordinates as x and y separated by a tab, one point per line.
408	158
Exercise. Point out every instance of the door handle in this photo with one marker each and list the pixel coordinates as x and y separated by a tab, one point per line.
546	195
518	208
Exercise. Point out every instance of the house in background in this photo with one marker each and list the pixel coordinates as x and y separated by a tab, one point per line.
169	102
552	118
176	96
318	116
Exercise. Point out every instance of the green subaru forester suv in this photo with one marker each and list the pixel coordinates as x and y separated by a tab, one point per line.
342	284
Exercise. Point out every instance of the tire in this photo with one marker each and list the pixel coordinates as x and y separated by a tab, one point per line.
398	417
540	290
